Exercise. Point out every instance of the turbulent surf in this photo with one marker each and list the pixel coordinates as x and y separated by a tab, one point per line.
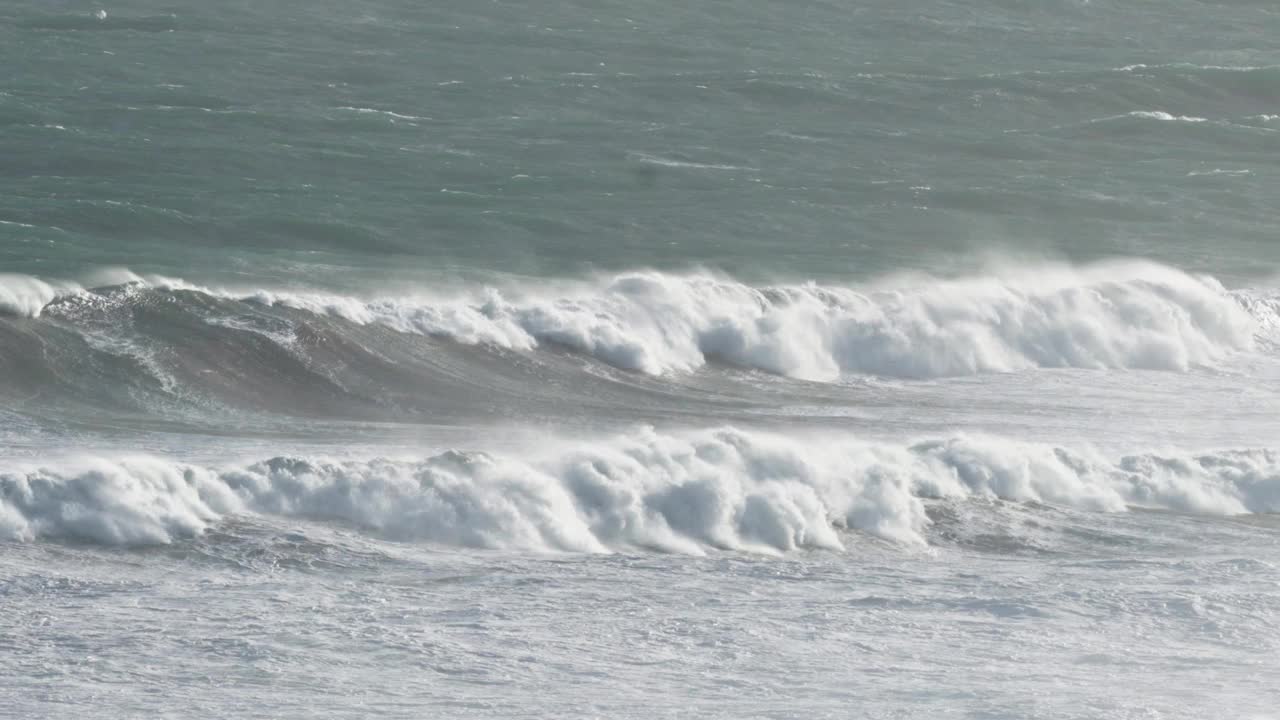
750	360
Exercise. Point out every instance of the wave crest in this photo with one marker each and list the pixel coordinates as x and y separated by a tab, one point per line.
1120	315
1129	315
26	296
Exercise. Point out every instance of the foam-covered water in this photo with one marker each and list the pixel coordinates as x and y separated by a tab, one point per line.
686	493
463	359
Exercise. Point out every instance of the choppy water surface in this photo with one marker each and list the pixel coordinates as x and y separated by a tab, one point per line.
639	360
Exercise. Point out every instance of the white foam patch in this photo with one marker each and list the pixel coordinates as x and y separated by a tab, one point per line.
1263	308
136	501
1164	116
385	113
687	492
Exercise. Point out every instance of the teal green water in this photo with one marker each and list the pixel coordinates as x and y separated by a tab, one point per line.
336	144
646	359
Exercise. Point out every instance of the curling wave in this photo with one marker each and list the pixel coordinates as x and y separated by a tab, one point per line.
26	296
676	492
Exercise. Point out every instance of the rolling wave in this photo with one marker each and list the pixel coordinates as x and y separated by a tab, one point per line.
684	492
1120	315
1108	316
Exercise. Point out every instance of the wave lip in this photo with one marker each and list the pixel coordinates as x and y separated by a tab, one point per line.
687	492
26	296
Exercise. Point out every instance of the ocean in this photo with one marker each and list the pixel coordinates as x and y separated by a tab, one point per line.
889	359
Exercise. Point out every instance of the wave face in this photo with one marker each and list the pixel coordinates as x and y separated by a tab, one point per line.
672	492
1109	316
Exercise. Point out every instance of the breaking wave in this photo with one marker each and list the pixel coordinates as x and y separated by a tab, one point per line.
1119	315
674	492
26	296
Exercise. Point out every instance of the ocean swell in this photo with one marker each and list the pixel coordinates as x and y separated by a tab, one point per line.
687	492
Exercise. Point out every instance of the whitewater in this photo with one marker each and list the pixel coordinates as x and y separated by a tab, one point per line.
646	360
722	489
794	480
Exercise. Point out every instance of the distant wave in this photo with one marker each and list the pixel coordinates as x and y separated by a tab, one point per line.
385	113
647	159
1120	315
1194	67
1160	115
1167	117
674	492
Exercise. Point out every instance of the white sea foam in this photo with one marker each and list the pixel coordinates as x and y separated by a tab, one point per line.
1167	117
1264	308
1192	66
1218	171
677	492
384	113
648	159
